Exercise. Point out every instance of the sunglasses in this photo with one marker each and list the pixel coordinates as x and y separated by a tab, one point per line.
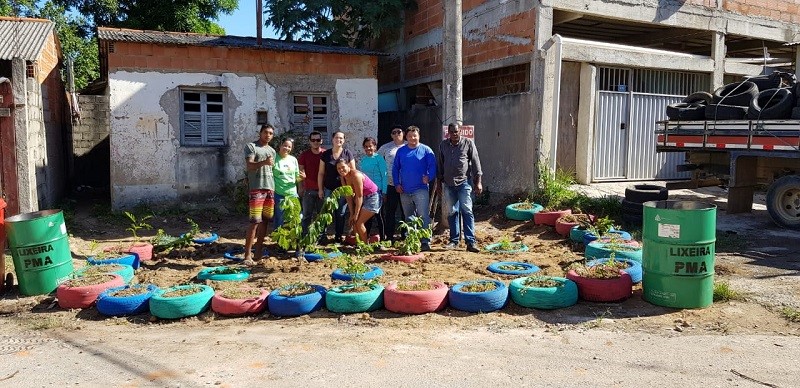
315	140
396	132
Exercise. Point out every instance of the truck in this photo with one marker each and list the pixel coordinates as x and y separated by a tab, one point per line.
742	155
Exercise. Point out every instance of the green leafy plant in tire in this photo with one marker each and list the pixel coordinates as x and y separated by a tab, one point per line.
540	282
524	205
290	235
297	289
605	270
601	226
137	224
414	234
179	292
479	286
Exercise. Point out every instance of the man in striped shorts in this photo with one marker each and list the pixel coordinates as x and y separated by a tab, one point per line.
259	160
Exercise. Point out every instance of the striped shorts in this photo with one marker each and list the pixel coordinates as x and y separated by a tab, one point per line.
261	204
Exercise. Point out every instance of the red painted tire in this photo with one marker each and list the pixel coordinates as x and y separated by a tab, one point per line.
85	296
603	290
563	228
238	307
144	250
549	218
415	302
405	259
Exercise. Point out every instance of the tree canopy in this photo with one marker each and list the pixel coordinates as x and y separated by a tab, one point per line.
337	22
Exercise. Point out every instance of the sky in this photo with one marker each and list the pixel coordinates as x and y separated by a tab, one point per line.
242	22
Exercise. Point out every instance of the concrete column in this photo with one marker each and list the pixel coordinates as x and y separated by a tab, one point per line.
539	84
797	61
718	55
453	85
26	171
584	154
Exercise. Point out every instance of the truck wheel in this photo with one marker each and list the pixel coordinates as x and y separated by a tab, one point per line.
783	201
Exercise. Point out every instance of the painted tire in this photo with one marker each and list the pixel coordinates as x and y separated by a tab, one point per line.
603	290
564	228
128	259
491	249
207	274
415	302
232	254
345	302
293	306
207	240
601	250
182	306
238	307
529	268
126	271
144	251
319	256
549	218
545	298
405	259
373	272
512	213
576	234
634	267
117	306
84	296
479	302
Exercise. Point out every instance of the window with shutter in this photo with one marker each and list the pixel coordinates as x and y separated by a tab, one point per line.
202	118
310	113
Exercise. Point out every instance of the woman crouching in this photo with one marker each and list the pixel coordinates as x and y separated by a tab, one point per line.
365	201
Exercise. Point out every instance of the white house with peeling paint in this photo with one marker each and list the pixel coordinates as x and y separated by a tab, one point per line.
184	105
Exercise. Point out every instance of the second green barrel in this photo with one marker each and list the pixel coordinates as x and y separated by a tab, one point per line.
678	253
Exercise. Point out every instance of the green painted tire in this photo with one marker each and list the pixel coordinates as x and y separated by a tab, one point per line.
545	298
182	306
512	213
208	274
343	302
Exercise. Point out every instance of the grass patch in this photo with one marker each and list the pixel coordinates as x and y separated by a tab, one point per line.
791	314
723	292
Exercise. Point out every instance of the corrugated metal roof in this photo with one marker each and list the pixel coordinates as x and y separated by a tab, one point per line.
191	39
23	38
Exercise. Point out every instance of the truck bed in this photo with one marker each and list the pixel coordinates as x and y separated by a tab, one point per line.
780	136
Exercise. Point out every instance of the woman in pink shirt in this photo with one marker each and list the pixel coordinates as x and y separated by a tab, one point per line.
366	200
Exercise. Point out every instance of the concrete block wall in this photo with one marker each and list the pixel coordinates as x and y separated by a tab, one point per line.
94	125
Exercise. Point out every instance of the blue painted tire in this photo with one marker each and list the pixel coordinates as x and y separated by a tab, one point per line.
207	240
354	302
127	259
491	249
634	267
576	234
207	274
529	268
373	272
600	250
182	306
479	302
117	306
545	298
319	256
293	306
126	271
232	254
512	213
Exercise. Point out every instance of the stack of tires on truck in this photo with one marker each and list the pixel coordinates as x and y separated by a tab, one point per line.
763	97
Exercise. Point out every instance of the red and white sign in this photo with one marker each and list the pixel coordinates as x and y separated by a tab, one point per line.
465	130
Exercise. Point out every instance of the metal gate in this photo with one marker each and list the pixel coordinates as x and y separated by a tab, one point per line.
629	102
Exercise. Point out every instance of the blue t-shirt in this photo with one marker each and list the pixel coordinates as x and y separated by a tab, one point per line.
411	164
375	168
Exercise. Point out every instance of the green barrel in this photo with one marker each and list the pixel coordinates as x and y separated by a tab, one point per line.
40	248
678	253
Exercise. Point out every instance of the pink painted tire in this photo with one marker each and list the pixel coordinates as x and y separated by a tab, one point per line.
563	228
238	307
143	250
405	259
83	297
415	302
603	290
549	218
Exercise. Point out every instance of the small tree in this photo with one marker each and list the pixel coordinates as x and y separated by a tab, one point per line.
290	235
414	234
137	224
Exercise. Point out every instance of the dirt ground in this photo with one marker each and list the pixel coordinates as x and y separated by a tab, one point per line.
763	269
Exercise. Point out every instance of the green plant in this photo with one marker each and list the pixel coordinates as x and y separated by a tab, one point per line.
296	289
290	235
540	282
601	226
137	224
605	270
163	242
792	314
524	205
414	234
553	191
479	286
352	265
194	229
723	292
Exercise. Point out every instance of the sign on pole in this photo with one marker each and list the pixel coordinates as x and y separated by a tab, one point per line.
465	130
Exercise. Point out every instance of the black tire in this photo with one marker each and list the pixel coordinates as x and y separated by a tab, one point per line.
642	193
783	201
764	82
632	221
725	112
796	90
632	208
704	98
771	104
736	94
686	111
796	112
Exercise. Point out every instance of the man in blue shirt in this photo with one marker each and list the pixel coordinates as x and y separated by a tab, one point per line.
414	168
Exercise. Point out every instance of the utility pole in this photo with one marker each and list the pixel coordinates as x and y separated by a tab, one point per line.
452	82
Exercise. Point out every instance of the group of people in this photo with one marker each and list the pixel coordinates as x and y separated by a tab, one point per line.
400	172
